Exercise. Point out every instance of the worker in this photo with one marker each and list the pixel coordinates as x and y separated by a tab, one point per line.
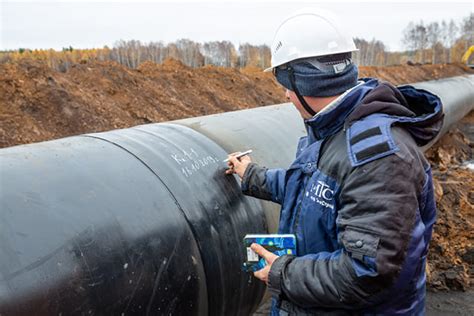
359	195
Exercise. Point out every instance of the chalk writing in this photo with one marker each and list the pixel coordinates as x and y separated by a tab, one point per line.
190	161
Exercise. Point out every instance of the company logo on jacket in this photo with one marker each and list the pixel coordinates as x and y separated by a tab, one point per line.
321	193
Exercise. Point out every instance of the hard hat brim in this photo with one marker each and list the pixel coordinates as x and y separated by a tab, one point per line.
309	56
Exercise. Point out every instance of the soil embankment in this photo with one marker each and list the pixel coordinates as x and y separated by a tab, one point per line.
38	103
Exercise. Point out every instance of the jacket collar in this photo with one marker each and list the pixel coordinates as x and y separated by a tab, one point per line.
332	117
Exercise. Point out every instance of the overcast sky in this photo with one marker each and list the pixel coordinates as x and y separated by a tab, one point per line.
88	24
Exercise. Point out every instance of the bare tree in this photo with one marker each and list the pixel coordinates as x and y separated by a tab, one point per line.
415	39
252	55
409	38
219	53
433	35
467	30
154	52
451	36
190	52
370	53
422	39
358	56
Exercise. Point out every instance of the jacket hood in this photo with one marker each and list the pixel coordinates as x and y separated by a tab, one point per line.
418	111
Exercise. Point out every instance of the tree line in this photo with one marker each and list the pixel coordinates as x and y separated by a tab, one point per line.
193	54
132	53
439	42
435	42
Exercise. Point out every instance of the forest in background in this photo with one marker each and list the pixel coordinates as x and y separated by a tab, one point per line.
435	42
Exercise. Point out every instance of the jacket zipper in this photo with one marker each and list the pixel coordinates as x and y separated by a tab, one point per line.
298	211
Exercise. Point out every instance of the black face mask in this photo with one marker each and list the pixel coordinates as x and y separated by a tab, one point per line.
306	80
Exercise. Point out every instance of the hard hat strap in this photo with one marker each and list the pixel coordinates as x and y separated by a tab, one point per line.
306	106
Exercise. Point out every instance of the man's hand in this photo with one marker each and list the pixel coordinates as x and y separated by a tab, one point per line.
269	258
237	165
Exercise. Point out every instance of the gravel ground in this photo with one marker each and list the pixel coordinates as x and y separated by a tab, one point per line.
437	304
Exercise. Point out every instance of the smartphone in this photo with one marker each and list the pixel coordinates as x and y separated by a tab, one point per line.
279	244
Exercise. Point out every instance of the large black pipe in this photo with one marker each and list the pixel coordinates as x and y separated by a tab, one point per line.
137	221
143	220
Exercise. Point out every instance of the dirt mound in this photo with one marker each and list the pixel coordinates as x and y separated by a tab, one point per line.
409	74
38	103
451	257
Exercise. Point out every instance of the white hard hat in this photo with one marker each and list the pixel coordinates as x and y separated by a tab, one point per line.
308	33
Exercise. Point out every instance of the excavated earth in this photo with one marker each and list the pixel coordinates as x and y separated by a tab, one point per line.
38	103
451	257
450	270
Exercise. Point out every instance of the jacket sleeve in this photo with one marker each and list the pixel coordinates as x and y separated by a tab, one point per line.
263	183
377	215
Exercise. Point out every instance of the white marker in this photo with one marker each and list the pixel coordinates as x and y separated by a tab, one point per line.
245	153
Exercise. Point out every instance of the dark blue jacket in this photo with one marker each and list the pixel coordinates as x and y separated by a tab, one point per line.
359	198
